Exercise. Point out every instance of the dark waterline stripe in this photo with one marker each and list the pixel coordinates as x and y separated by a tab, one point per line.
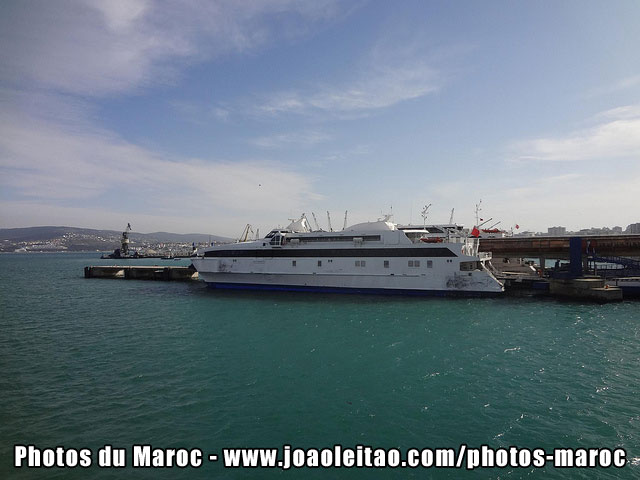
335	253
376	291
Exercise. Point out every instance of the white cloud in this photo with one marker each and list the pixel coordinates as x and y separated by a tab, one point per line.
622	84
378	87
588	177
394	71
573	200
536	200
306	138
620	113
77	165
101	47
616	136
220	113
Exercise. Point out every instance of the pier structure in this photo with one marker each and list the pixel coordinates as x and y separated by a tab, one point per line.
145	272
558	248
571	282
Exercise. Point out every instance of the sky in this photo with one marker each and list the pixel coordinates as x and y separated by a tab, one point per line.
207	115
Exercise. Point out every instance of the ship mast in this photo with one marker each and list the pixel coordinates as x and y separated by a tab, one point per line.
344	226
329	221
425	214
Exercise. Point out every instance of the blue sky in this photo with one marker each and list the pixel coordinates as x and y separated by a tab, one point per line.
202	116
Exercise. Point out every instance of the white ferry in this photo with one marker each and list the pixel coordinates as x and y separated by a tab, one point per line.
372	257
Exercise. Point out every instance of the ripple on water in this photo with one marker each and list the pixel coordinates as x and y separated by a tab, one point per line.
89	362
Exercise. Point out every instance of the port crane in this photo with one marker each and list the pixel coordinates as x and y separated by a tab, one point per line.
244	236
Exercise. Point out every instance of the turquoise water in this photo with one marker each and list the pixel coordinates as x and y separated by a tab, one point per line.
89	362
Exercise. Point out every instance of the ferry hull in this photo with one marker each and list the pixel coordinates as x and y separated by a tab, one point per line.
354	290
477	283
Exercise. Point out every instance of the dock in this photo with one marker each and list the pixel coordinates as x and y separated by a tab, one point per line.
589	288
146	272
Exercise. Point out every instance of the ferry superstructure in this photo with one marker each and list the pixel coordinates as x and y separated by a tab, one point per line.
371	257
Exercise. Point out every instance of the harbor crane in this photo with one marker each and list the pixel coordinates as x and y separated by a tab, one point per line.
315	220
244	236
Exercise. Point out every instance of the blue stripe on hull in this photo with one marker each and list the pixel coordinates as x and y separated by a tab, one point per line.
377	291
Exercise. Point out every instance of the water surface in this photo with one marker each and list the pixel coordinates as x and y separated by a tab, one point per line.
89	362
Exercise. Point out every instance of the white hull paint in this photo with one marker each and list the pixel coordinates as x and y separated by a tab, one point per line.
475	283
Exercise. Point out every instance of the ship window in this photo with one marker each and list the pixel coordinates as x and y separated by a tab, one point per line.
363	263
429	263
357	263
319	263
468	266
411	263
386	264
293	263
416	263
275	240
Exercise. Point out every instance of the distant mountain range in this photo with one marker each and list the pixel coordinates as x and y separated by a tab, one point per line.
77	239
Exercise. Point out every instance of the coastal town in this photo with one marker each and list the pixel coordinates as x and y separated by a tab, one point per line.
70	239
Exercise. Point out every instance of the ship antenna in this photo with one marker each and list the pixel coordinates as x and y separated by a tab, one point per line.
329	220
425	214
344	227
451	217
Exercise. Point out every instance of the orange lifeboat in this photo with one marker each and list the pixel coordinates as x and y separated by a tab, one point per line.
432	240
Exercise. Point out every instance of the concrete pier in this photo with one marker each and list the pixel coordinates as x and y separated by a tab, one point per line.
147	272
584	288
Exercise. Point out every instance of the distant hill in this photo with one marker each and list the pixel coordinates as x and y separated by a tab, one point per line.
179	237
76	239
